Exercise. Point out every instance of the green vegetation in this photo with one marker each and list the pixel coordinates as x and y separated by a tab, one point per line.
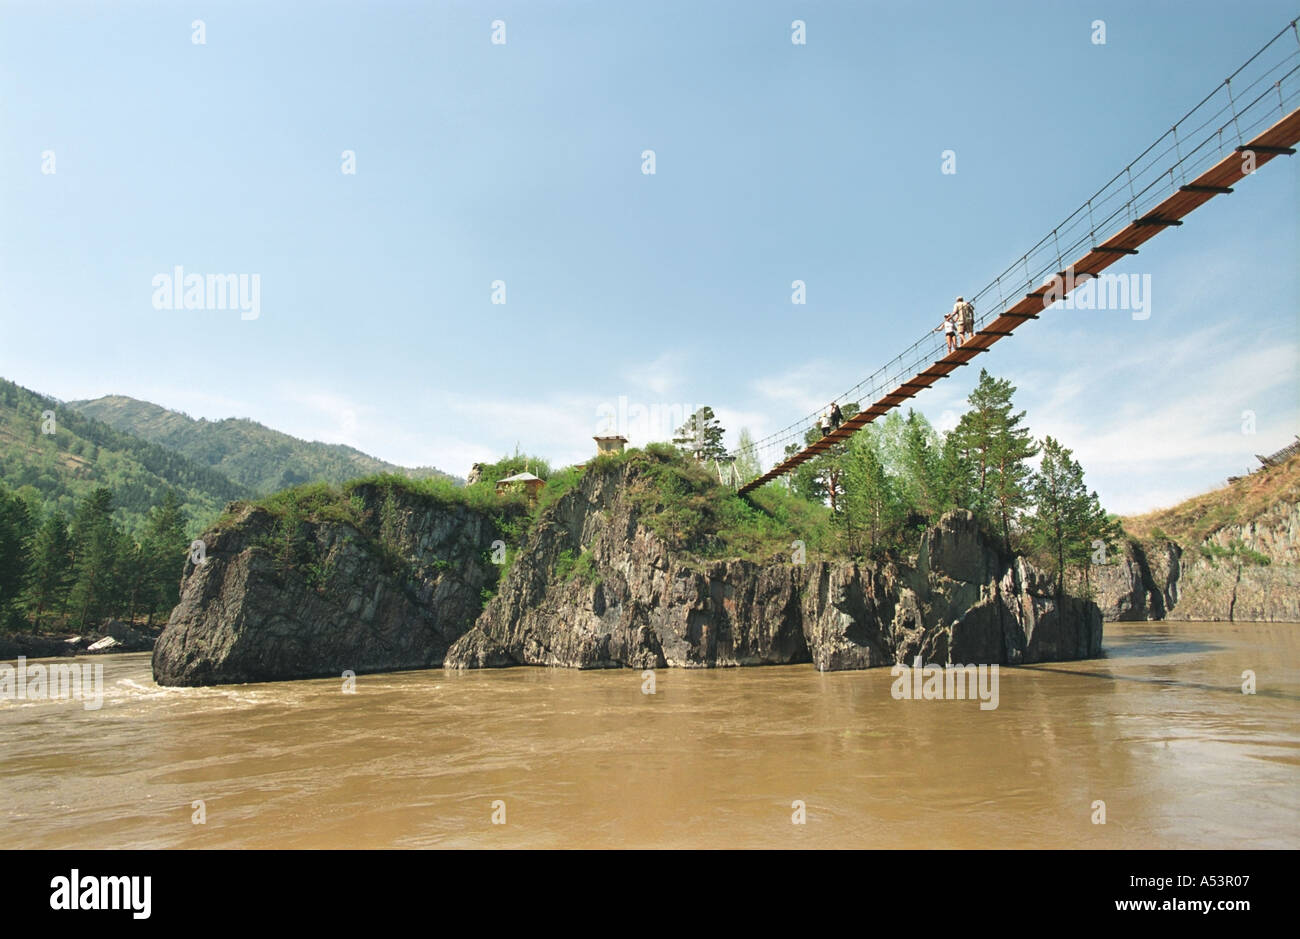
325	502
78	559
492	473
562	483
15	537
701	436
682	502
822	478
78	571
256	458
567	567
1068	526
993	439
53	458
1236	554
375	507
747	462
875	495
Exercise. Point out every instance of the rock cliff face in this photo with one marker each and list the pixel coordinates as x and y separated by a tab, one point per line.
631	603
365	601
1161	580
591	586
1140	584
1223	589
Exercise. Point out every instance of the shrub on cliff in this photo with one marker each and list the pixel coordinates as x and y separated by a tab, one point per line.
682	502
492	473
372	506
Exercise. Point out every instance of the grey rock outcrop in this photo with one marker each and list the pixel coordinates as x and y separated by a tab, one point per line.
362	602
1217	588
591	586
1140	584
1160	579
641	606
124	638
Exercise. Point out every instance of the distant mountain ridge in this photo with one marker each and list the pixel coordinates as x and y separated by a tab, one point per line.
55	461
251	455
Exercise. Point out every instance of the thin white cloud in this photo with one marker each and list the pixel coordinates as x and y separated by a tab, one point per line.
661	376
558	428
330	417
803	389
1151	430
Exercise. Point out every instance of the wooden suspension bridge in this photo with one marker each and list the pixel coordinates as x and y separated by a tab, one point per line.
1279	139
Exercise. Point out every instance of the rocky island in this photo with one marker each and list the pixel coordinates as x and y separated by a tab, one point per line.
389	574
643	559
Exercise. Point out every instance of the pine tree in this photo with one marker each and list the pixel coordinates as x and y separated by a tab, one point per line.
919	477
1068	520
163	555
133	584
872	509
15	535
702	436
1012	474
51	565
97	568
954	476
993	439
288	543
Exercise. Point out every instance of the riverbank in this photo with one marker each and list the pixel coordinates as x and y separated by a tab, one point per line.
111	636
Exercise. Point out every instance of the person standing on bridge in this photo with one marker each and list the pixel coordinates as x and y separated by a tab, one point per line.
965	313
949	327
825	422
837	416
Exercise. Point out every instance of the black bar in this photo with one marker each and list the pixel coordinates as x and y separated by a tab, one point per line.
1157	220
1217	190
992	332
1106	886
1115	250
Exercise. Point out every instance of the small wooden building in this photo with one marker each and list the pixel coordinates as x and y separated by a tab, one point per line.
611	444
525	482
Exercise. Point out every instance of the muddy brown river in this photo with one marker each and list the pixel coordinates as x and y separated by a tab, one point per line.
1158	730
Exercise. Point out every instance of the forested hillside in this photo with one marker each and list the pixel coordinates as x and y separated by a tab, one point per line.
54	457
253	455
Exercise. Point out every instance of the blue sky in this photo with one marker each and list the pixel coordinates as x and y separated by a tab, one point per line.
521	162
